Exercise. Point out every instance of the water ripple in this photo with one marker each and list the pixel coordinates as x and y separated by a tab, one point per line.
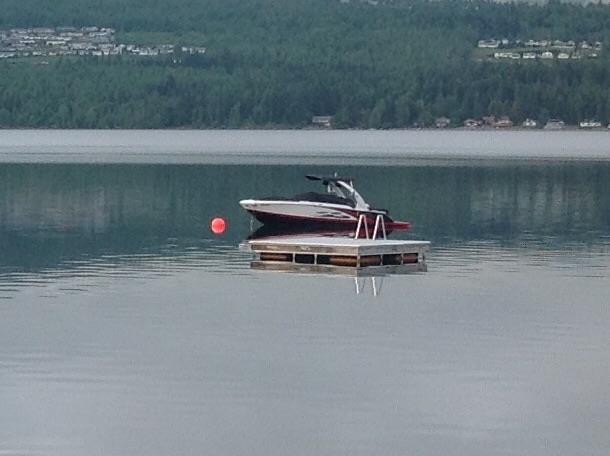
92	272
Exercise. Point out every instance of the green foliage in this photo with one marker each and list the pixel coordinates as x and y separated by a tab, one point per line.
277	63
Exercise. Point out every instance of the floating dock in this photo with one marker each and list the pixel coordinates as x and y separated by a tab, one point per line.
339	255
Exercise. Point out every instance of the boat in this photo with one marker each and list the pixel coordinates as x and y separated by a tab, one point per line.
340	206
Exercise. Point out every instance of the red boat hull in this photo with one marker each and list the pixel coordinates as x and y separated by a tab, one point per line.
268	218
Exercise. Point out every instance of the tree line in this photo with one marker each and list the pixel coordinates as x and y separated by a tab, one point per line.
273	63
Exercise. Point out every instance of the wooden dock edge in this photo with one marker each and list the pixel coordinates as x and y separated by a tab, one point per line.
327	253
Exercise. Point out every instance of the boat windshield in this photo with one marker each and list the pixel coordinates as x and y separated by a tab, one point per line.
347	191
334	189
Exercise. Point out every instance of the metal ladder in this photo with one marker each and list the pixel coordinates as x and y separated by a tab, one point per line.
379	222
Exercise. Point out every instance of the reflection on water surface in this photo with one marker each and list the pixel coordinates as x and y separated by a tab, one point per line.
127	328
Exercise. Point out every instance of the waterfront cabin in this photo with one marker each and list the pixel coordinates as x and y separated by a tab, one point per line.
529	123
504	122
589	124
488	44
554	124
442	122
472	123
322	121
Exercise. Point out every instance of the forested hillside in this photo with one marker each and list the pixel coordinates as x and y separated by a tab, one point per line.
279	62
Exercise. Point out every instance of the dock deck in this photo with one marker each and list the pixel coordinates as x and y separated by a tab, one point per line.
336	254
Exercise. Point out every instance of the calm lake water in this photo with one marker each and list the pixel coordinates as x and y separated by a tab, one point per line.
127	328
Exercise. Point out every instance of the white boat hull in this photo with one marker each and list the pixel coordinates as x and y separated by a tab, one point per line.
279	211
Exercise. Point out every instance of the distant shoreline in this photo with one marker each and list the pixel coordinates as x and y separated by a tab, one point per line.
306	147
571	128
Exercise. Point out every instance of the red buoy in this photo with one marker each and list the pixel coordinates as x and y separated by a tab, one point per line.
218	225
